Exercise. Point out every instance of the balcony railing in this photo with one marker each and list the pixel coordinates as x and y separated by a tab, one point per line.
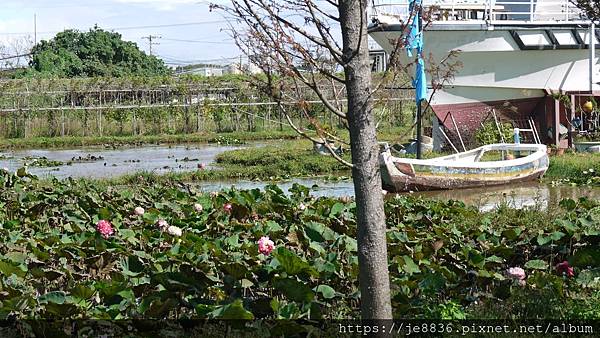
488	10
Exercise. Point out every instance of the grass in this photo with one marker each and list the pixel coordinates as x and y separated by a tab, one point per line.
390	135
70	141
572	165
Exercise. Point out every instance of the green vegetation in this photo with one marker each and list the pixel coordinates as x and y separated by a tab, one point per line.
117	141
446	260
72	53
488	133
574	168
228	138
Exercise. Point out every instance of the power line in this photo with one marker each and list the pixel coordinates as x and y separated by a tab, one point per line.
13	56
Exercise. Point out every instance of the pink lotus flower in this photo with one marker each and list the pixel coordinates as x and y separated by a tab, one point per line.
201	166
105	228
302	207
565	268
198	207
265	245
138	211
214	194
517	274
227	207
162	224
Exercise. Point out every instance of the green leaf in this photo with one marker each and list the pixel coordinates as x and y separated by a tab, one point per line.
127	294
432	283
294	290
56	297
318	232
151	217
584	257
234	310
336	209
82	291
494	259
272	227
16	257
8	269
327	291
543	240
104	213
567	225
557	235
536	264
409	265
233	241
568	204
511	233
290	262
132	266
589	279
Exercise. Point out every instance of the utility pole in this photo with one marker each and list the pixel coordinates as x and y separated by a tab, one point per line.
592	54
35	29
151	39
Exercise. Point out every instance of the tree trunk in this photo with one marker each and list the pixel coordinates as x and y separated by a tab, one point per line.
372	247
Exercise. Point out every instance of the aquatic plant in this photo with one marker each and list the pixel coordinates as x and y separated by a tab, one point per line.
446	259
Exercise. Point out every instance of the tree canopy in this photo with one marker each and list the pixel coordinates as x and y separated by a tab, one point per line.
97	52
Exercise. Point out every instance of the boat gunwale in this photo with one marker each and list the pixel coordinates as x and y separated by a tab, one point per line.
540	151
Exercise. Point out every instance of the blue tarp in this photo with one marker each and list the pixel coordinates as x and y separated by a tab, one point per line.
415	41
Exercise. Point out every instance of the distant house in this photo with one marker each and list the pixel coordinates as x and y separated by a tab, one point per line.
239	68
208	71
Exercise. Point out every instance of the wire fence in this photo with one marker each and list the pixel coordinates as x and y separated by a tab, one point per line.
37	108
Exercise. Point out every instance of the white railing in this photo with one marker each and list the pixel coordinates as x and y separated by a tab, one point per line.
494	10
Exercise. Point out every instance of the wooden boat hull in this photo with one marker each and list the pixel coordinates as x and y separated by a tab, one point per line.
462	170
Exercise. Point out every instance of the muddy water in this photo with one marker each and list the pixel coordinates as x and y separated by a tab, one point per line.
318	187
115	162
529	195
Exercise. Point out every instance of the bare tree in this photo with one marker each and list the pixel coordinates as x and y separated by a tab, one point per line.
590	7
15	52
311	53
315	52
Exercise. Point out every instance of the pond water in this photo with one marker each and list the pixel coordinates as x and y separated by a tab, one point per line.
164	159
519	196
115	162
532	194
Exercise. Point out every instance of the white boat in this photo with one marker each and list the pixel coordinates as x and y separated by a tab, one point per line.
515	55
464	170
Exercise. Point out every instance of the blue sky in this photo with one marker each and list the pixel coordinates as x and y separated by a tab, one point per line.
200	35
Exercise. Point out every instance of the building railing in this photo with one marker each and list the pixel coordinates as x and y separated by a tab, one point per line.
487	10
